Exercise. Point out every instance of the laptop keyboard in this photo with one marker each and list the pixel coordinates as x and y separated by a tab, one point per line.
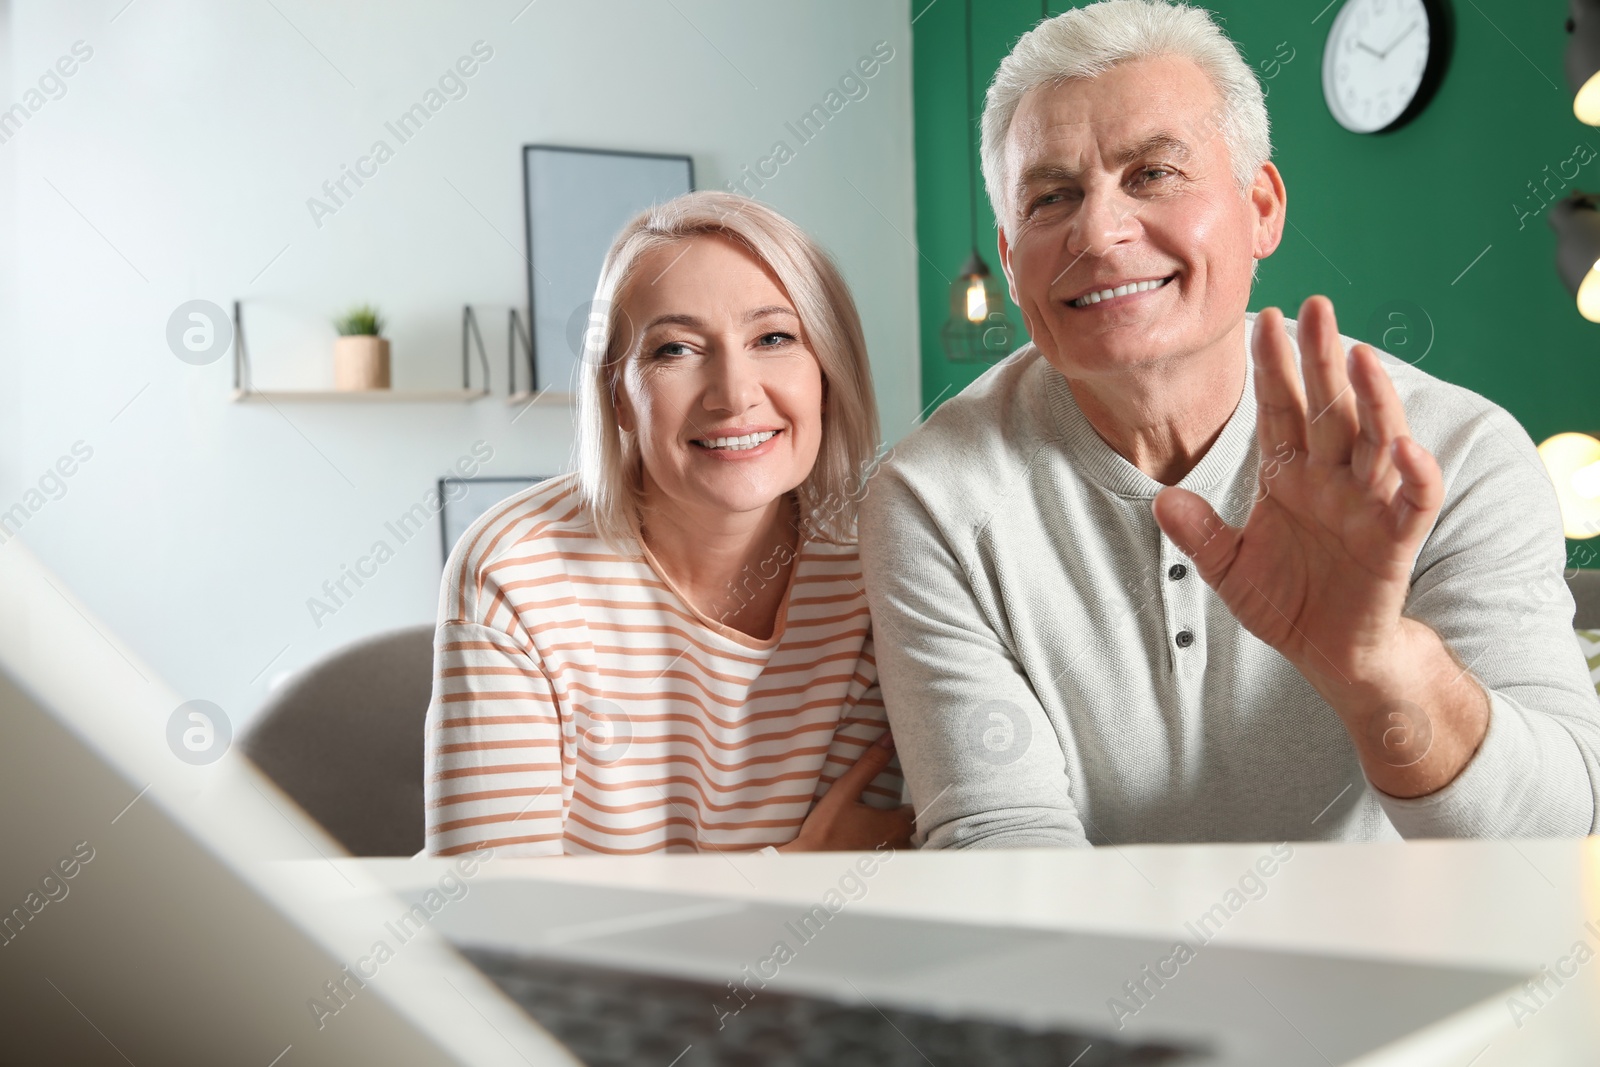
607	1016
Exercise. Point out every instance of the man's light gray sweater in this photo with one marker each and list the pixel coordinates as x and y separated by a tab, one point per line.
1056	673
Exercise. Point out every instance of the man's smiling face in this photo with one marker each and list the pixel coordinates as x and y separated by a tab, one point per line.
1125	179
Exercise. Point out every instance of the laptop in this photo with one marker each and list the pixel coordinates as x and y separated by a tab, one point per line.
160	907
158	911
727	976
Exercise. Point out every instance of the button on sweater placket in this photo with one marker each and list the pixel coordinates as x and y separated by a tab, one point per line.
1181	599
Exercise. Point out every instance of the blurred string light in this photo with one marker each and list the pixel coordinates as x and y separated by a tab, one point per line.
1583	59
1576	221
1573	460
978	329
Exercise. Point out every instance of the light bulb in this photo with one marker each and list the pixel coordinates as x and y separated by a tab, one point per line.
1586	104
1589	294
1586	481
1573	460
977	300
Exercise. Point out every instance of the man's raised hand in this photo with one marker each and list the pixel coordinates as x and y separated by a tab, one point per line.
1321	568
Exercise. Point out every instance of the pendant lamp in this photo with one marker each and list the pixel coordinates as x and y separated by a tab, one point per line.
978	329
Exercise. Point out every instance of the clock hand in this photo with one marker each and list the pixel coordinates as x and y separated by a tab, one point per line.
1367	48
1397	40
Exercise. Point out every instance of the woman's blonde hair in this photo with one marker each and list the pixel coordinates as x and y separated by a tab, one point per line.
609	464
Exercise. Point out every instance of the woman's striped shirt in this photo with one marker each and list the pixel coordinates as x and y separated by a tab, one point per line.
582	705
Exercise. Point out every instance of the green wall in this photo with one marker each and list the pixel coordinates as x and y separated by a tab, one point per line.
1374	219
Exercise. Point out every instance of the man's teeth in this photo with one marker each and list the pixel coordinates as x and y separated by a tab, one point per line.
1121	290
738	444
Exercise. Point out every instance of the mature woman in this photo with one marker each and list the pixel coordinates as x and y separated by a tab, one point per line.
669	649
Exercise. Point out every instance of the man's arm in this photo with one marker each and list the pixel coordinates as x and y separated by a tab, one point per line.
1322	572
1490	585
983	763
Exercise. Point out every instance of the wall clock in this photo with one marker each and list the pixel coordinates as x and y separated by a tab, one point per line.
1383	61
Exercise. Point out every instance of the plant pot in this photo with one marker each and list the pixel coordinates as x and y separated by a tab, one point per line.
361	362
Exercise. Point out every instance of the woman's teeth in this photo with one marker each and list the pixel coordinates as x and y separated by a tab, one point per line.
737	444
1121	290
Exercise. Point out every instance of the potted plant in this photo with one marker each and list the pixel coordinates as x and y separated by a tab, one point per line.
360	356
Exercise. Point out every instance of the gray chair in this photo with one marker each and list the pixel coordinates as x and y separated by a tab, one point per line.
344	739
1585	586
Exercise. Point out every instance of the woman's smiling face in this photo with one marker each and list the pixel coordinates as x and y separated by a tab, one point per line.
719	383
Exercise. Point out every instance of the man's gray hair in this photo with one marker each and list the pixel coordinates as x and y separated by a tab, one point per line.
1089	41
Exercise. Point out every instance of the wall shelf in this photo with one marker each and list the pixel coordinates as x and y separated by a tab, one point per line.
357	396
245	392
392	396
544	398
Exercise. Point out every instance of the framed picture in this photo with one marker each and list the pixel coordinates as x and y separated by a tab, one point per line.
467	498
575	201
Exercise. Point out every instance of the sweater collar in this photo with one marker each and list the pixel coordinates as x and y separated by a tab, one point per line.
1105	466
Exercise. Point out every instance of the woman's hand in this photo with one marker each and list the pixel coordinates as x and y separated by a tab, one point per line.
840	822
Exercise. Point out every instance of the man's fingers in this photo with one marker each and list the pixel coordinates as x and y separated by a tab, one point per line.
1383	420
1198	531
1280	404
1330	404
1421	490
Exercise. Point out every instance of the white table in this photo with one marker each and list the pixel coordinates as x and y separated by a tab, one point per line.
1508	905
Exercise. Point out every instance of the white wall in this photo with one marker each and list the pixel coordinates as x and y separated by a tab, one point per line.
177	165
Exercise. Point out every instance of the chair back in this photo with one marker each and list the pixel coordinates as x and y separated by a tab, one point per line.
344	739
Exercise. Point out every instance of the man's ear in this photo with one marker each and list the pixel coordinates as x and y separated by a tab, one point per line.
1269	202
1005	266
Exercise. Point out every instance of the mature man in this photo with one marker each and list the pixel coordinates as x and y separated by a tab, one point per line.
1138	582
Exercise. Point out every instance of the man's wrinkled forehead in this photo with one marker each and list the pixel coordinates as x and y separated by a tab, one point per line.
1111	151
1112	117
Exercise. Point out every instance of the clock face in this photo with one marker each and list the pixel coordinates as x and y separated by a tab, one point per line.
1375	62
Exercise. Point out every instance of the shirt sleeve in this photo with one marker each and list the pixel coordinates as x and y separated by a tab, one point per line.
493	754
1490	582
982	761
862	722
